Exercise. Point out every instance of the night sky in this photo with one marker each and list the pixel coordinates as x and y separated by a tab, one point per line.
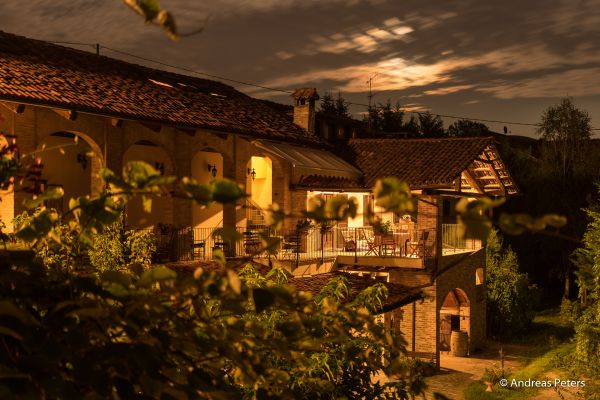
501	60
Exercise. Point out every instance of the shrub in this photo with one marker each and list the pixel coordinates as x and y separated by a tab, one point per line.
117	247
511	300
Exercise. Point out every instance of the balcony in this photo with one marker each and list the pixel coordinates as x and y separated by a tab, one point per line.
358	245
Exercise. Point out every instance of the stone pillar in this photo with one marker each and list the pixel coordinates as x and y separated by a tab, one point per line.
429	218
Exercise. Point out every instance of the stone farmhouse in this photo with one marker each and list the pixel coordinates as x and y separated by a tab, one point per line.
187	126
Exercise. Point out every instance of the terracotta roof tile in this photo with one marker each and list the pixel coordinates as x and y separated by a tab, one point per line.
37	72
327	182
420	162
398	295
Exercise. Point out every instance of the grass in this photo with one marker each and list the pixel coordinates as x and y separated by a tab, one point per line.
548	341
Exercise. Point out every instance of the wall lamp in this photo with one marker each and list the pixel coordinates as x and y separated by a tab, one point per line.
252	173
213	170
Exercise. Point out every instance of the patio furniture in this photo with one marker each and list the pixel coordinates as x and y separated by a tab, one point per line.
252	242
386	244
198	247
291	242
349	244
420	248
369	240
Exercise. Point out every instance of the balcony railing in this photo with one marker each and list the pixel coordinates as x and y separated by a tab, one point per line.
310	244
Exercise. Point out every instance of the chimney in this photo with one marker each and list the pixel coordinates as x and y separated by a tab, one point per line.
304	108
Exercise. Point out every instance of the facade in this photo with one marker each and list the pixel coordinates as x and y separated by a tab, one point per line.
80	112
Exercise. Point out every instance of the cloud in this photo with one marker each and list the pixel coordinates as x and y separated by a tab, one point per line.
577	82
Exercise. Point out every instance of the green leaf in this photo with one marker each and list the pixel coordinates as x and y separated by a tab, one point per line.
116	277
227	191
156	274
234	281
52	193
228	234
38	226
9	332
393	195
9	309
555	220
201	193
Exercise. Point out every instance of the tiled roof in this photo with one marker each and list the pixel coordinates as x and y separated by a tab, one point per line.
40	73
420	162
398	295
327	182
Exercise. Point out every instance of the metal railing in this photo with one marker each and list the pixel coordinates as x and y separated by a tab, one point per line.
452	242
309	244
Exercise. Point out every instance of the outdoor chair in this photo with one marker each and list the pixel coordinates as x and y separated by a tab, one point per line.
420	248
386	244
369	240
291	243
349	244
198	247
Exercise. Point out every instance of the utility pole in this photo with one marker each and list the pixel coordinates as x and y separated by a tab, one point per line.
370	83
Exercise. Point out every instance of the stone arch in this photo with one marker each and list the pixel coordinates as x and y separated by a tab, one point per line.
259	187
71	160
207	164
162	206
454	314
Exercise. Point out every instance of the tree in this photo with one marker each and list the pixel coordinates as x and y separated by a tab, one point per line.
328	105
587	325
386	118
332	106
467	128
510	298
565	130
430	125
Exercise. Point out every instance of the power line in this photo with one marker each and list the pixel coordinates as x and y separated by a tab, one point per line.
97	46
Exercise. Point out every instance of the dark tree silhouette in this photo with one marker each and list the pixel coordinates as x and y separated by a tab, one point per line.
466	128
430	125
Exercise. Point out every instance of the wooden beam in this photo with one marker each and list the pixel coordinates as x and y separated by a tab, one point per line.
14	107
495	173
71	115
472	181
116	122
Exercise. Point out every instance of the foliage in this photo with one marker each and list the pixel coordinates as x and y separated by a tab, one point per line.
331	106
386	118
71	332
430	125
467	128
152	12
116	248
587	325
510	298
565	130
493	375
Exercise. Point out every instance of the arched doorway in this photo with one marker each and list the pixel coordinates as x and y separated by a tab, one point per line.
259	186
207	165
162	206
455	314
70	161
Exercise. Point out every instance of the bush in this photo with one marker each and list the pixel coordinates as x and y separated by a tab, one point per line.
570	311
117	247
511	299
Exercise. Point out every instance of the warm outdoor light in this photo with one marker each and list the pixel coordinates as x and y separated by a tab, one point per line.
252	173
213	170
